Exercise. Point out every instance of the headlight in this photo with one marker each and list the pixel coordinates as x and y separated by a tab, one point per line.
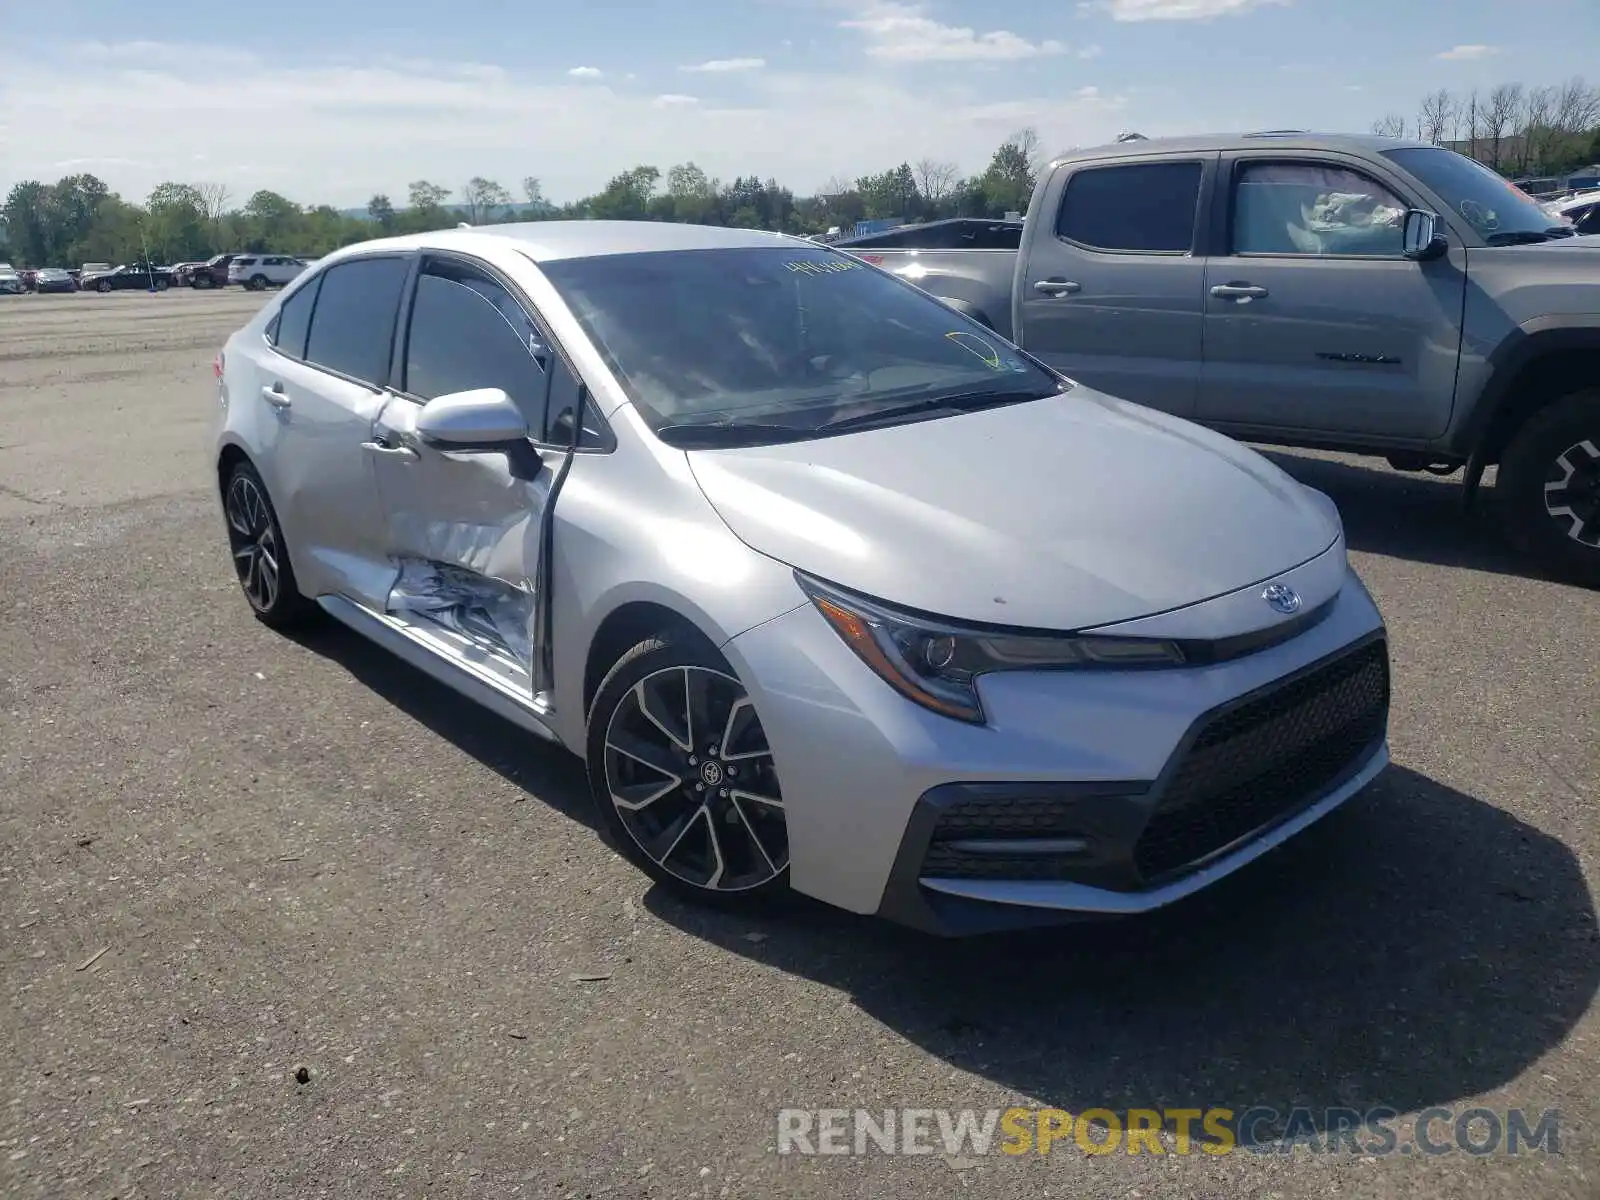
937	664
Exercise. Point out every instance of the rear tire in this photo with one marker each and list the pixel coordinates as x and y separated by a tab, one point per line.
260	554
683	779
1549	487
103	286
258	283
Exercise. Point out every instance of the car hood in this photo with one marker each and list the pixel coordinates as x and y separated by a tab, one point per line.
1067	513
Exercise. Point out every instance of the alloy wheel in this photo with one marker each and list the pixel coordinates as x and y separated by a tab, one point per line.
254	541
1572	492
691	777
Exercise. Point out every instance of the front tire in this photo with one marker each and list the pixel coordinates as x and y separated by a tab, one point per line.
683	777
103	286
260	554
1550	480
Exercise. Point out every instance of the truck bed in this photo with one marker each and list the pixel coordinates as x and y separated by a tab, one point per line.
975	282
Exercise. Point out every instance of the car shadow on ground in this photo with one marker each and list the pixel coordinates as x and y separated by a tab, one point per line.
544	770
1416	948
1409	515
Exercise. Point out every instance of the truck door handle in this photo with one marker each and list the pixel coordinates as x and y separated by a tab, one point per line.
1057	287
274	396
1238	291
381	447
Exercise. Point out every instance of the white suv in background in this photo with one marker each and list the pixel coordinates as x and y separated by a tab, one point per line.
256	271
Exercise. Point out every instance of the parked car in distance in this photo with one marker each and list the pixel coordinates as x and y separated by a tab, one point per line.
1355	293
11	280
694	502
213	273
1581	211
94	268
54	279
126	278
258	271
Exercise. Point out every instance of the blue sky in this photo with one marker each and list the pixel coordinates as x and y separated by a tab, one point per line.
331	101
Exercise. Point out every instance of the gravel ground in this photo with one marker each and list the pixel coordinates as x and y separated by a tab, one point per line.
226	855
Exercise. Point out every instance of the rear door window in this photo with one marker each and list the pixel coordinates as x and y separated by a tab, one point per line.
1146	208
352	329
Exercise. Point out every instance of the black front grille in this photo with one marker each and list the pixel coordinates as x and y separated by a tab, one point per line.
993	817
1263	760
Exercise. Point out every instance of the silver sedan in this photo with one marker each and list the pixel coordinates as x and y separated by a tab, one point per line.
834	590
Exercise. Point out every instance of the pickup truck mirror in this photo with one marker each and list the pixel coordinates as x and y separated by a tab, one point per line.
1422	240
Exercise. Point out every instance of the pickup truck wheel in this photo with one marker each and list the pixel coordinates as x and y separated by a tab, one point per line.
1550	485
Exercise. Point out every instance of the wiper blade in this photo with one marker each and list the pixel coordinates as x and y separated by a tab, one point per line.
709	435
1519	237
960	402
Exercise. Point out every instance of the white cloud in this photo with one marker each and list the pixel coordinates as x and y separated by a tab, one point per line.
1090	52
336	130
904	33
1469	53
674	100
724	65
1174	10
585	72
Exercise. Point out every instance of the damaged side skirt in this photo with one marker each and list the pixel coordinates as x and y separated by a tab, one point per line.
491	613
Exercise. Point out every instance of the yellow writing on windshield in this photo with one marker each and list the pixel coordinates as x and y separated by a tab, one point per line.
974	344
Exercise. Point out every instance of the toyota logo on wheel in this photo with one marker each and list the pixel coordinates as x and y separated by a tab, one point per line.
1282	597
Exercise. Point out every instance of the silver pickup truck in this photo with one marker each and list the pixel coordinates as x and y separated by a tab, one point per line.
1350	293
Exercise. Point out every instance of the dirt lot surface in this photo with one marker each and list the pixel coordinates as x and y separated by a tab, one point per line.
226	855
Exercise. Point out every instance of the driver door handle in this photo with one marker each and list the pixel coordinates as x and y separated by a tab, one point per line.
1057	287
383	448
1238	291
274	396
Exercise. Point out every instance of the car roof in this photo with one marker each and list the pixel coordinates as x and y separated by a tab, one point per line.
1284	139
549	241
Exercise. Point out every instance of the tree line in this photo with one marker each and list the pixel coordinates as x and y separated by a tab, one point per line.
1520	131
79	219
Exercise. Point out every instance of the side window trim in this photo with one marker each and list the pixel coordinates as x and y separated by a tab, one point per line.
402	339
1207	160
1227	188
270	333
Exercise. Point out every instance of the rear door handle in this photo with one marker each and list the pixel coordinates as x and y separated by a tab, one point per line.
274	396
384	448
1057	287
1238	291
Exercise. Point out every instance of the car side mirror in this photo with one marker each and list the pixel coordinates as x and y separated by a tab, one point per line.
483	419
1422	240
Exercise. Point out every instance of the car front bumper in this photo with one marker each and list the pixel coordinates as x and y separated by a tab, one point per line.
1092	793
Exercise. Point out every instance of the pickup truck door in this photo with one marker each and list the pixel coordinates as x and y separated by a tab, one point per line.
1315	322
1109	288
466	527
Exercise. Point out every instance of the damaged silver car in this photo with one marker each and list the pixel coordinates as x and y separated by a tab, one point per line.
834	589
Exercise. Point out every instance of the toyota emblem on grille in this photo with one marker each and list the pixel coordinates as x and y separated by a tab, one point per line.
1282	597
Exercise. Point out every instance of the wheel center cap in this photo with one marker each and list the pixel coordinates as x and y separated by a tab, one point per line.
711	773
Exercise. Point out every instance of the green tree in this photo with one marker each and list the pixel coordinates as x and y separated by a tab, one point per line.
381	211
177	229
1008	183
891	194
485	200
627	196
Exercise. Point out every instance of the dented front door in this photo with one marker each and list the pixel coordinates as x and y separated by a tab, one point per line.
465	527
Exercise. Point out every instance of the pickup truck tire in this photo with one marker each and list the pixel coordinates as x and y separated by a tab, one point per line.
1549	487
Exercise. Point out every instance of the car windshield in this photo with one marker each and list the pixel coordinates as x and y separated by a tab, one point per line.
763	343
1498	210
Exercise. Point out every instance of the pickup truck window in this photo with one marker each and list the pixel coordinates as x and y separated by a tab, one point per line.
1500	212
1144	208
1314	208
